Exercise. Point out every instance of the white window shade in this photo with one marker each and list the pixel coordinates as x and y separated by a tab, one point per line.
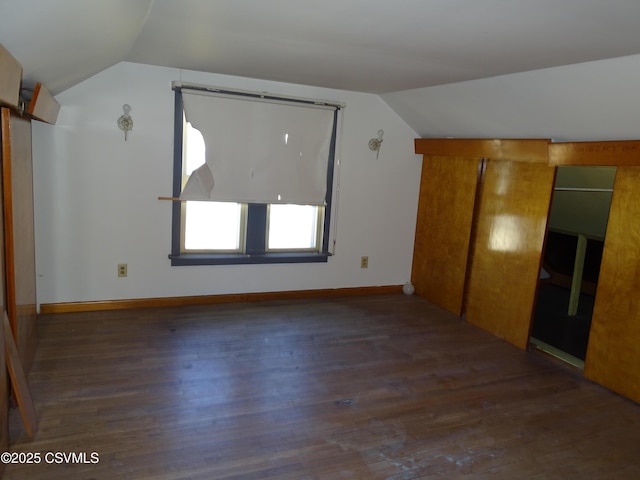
260	151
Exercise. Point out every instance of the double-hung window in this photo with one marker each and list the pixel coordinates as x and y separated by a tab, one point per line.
254	174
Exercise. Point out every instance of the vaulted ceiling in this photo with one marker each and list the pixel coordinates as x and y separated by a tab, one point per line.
362	45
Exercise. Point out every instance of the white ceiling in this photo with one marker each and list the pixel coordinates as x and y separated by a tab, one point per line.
362	45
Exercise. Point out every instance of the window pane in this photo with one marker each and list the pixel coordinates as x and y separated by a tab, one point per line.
194	151
208	225
212	226
293	227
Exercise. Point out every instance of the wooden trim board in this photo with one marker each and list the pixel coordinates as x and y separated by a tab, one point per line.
93	306
524	150
43	106
19	382
10	77
604	153
7	192
609	153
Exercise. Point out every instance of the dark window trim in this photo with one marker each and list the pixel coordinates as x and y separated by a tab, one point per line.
256	235
243	259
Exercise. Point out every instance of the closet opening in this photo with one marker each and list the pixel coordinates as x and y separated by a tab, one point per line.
571	262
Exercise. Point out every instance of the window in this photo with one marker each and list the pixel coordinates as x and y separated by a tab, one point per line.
255	174
213	226
294	227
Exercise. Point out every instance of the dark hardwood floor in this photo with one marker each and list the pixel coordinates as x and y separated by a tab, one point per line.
383	387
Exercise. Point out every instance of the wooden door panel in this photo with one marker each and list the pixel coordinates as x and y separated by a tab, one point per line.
17	177
443	229
507	248
613	353
4	393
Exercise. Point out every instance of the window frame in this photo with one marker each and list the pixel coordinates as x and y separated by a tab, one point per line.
255	229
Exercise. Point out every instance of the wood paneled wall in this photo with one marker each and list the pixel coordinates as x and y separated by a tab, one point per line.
17	177
482	217
4	381
507	236
613	353
443	229
17	239
511	226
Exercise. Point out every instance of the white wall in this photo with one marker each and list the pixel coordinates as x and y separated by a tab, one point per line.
588	101
96	195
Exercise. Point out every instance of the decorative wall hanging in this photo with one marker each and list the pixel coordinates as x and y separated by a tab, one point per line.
125	122
376	143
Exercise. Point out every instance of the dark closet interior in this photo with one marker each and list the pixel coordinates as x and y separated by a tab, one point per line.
580	207
552	323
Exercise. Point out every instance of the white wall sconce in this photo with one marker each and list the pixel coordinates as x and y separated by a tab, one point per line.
125	122
376	143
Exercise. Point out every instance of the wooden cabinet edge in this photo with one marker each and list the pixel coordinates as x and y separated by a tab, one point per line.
10	77
43	106
599	153
518	150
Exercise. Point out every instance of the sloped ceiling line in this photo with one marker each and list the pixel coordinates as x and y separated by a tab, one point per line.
359	45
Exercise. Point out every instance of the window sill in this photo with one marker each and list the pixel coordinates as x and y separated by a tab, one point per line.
243	259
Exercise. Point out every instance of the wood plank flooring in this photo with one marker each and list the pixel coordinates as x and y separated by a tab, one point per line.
371	387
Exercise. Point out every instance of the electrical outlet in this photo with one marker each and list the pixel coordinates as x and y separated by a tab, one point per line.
364	262
122	269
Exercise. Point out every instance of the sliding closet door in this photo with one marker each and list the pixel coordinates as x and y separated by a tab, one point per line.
507	247
4	394
443	229
613	355
17	178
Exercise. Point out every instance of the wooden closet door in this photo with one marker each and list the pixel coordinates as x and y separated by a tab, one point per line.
613	353
4	390
507	247
17	178
443	229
